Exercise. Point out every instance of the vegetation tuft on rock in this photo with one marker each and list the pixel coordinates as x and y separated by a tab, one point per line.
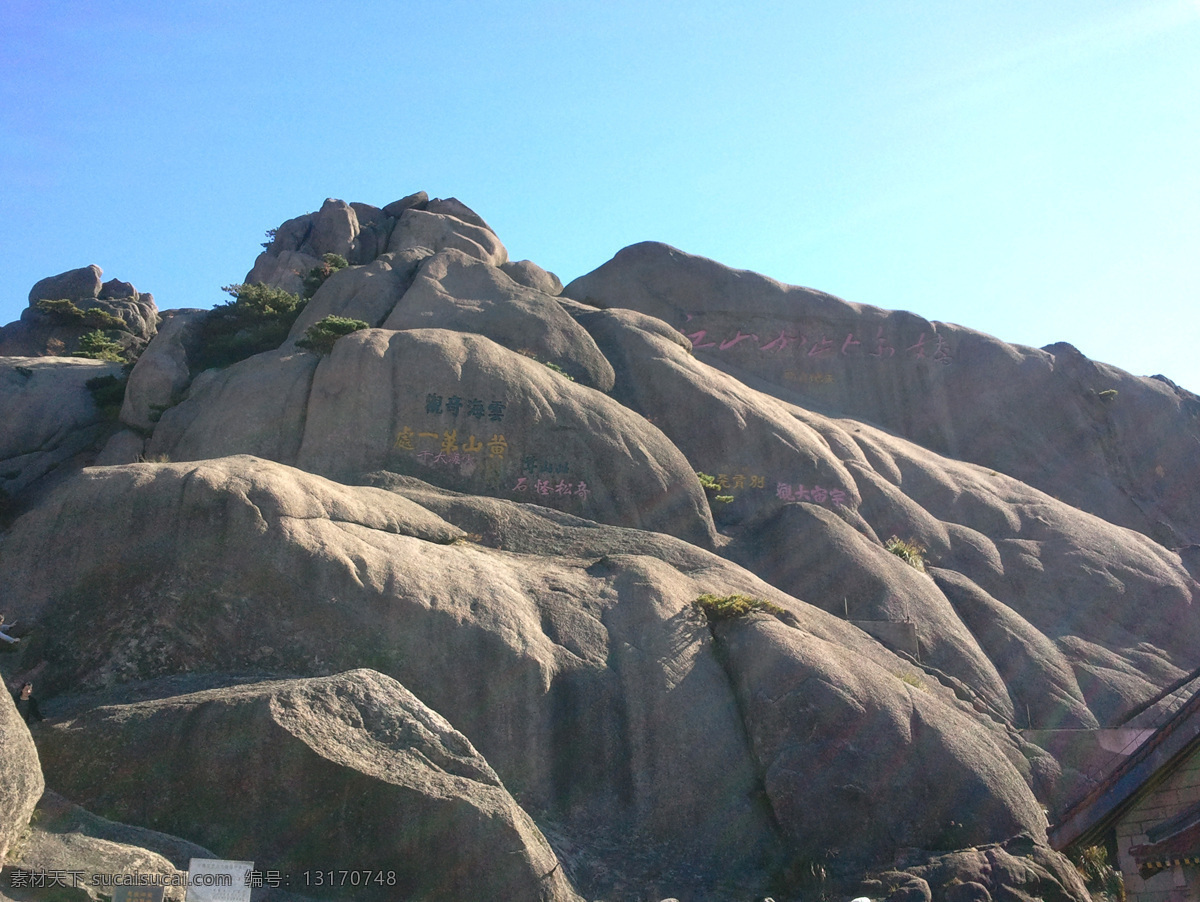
731	607
315	277
323	334
1103	881
65	312
98	346
909	552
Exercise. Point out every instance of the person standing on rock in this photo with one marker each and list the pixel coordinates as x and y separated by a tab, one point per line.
27	705
4	628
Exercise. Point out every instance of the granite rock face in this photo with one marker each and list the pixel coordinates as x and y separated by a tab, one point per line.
117	308
486	505
1116	445
52	422
21	780
352	771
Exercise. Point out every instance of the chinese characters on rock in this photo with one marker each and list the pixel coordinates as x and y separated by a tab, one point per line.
824	345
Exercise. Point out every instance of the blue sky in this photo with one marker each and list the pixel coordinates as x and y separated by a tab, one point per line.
1031	170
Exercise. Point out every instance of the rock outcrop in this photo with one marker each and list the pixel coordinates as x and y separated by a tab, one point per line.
1017	869
85	304
289	576
351	771
1117	445
21	780
52	421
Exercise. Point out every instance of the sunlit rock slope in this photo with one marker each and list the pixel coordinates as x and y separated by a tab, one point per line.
446	575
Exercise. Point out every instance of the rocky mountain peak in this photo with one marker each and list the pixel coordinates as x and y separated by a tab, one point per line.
411	559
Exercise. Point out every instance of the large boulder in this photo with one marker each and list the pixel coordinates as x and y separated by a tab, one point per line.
453	290
161	374
452	206
608	706
51	418
85	304
257	406
95	855
334	229
847	487
74	284
1105	441
750	442
350	771
529	274
442	231
1020	868
21	782
367	293
826	726
418	200
485	420
374	230
285	269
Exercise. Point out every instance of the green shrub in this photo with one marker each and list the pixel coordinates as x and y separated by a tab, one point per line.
315	277
65	313
322	335
98	346
911	679
257	319
1103	881
730	607
108	393
558	369
909	552
532	355
1109	395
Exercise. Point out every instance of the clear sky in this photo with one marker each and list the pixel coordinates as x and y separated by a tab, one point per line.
1029	169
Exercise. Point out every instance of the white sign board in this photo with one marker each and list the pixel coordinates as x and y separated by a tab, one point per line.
218	880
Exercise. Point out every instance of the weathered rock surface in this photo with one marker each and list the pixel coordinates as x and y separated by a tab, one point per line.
858	485
367	293
39	333
257	406
352	771
60	815
161	374
21	781
826	726
418	201
285	269
607	705
452	206
124	447
1047	417
51	420
457	410
333	230
529	274
454	291
96	854
524	552
75	284
442	231
1017	869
